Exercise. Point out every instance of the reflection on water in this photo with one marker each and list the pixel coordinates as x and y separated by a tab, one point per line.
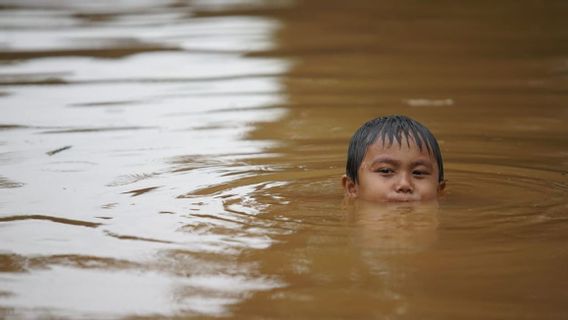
182	159
395	228
102	158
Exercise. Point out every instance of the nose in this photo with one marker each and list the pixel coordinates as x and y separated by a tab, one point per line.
404	184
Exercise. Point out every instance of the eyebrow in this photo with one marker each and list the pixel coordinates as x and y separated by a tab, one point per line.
422	162
394	162
383	159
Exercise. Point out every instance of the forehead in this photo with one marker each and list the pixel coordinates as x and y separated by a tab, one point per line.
407	148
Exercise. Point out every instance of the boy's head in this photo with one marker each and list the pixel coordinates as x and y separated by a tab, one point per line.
394	158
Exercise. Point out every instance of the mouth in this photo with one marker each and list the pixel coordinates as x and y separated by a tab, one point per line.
402	199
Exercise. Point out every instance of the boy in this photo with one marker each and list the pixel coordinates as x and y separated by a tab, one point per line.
393	159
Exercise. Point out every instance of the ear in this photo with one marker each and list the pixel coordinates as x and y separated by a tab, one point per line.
349	186
441	186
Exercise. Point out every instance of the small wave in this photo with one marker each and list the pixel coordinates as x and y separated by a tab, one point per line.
12	126
99	129
87	52
130	179
119	103
6	183
141	191
125	237
52	219
10	262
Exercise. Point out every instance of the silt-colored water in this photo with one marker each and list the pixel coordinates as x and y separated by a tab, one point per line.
182	159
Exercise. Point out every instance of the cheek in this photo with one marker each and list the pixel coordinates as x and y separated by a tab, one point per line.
429	189
375	186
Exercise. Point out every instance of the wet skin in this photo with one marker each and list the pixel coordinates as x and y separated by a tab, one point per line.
396	173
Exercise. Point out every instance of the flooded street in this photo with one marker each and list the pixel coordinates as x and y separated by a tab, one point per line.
182	159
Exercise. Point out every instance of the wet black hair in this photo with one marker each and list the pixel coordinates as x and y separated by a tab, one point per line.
390	128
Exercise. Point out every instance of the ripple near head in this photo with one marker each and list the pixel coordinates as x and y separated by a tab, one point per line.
494	196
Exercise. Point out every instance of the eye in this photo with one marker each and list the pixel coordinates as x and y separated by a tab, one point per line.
420	173
385	171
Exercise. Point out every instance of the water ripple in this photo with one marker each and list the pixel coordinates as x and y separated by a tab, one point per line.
50	218
6	183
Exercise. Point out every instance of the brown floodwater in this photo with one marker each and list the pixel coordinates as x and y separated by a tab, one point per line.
182	159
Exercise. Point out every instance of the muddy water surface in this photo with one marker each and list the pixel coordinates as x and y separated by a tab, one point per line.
181	159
